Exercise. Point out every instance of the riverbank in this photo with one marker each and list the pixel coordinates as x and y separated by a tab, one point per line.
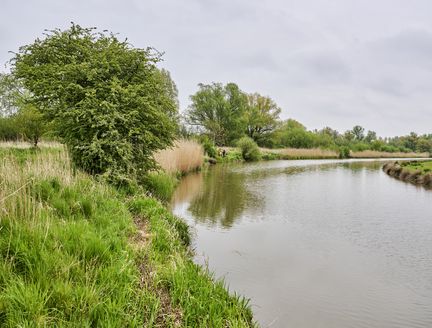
233	154
415	172
383	154
78	252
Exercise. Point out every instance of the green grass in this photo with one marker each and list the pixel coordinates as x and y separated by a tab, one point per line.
233	155
422	166
204	303
161	185
72	256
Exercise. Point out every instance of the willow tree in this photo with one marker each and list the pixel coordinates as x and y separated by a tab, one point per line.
106	99
218	110
262	116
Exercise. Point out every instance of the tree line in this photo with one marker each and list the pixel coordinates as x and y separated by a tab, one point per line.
224	113
113	107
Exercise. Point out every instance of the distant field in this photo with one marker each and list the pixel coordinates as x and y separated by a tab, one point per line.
382	154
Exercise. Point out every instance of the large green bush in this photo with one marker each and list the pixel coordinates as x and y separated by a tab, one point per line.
249	149
107	100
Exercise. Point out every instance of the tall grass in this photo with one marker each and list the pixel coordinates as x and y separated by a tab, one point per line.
185	156
161	185
64	254
382	154
204	303
69	255
26	145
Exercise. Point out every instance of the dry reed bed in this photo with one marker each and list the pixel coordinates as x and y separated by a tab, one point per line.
16	198
417	177
303	153
185	156
381	154
27	145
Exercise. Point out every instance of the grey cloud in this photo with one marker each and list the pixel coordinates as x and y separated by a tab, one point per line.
321	67
411	48
337	64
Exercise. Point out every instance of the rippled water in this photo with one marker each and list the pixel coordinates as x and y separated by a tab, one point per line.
315	243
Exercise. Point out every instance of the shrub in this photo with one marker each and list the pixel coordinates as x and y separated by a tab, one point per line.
270	156
209	147
344	152
249	149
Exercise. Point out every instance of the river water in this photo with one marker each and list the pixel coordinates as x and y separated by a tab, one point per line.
315	243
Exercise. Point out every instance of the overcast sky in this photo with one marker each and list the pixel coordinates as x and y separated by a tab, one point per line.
331	63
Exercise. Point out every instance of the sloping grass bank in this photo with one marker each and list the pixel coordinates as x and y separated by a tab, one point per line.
76	252
415	172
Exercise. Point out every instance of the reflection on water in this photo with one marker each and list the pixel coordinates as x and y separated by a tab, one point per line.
188	189
216	198
315	243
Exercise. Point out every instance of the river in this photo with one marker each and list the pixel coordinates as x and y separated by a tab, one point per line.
315	243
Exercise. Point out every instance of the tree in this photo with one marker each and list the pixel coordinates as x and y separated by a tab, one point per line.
106	99
262	115
293	124
330	132
349	135
31	124
9	94
294	134
424	145
410	141
219	111
370	136
358	132
170	87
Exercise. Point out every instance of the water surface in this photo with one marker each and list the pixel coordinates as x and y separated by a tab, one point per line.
315	243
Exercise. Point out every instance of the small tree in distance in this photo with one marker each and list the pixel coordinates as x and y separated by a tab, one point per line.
30	124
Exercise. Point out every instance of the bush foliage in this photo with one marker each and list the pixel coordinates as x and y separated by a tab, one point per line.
249	149
107	100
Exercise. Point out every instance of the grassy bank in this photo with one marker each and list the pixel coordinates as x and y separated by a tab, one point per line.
423	166
76	252
417	172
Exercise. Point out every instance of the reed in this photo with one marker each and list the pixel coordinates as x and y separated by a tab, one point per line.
27	145
382	154
71	255
185	156
303	153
